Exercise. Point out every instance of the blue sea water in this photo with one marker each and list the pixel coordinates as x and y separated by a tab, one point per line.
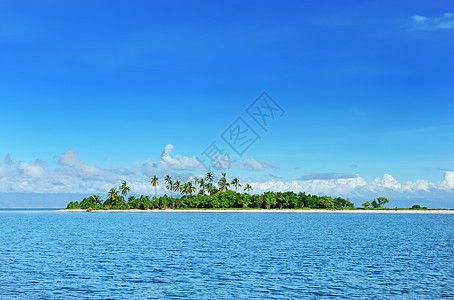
50	255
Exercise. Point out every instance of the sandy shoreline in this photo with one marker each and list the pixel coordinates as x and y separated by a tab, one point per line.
356	211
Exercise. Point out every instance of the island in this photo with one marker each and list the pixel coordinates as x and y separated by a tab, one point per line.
203	193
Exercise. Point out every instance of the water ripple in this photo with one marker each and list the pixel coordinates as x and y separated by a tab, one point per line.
223	256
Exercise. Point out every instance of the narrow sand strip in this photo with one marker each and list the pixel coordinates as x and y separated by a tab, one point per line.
355	211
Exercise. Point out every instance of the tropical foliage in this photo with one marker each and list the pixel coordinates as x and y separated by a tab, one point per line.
377	203
202	193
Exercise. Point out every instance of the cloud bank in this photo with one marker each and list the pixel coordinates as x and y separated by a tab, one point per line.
358	188
70	174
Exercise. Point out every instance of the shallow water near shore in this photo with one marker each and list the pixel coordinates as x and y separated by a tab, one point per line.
217	255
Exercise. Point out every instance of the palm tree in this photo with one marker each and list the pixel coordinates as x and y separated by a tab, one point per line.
202	185
191	188
196	182
168	180
223	184
188	188
98	199
236	183
112	194
209	188
209	177
124	189
248	188
170	187
154	182
185	189
177	187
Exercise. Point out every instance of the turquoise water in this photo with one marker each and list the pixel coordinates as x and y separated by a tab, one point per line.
225	255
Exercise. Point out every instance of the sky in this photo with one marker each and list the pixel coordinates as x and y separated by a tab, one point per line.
339	98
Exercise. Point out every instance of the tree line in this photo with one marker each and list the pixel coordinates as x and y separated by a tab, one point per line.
206	193
377	203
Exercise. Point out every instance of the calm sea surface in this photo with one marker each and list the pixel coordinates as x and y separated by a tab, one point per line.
225	255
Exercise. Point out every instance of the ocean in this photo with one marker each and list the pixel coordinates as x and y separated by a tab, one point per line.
47	255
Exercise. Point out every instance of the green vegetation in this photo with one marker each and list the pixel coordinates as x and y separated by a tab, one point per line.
366	204
377	203
204	193
221	199
419	207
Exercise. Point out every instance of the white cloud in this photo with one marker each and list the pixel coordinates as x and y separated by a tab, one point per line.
69	158
178	162
31	170
252	164
339	187
185	163
73	175
359	188
446	21
3	173
448	182
386	182
255	165
419	185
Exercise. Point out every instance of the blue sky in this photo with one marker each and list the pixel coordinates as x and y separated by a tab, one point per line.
367	89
